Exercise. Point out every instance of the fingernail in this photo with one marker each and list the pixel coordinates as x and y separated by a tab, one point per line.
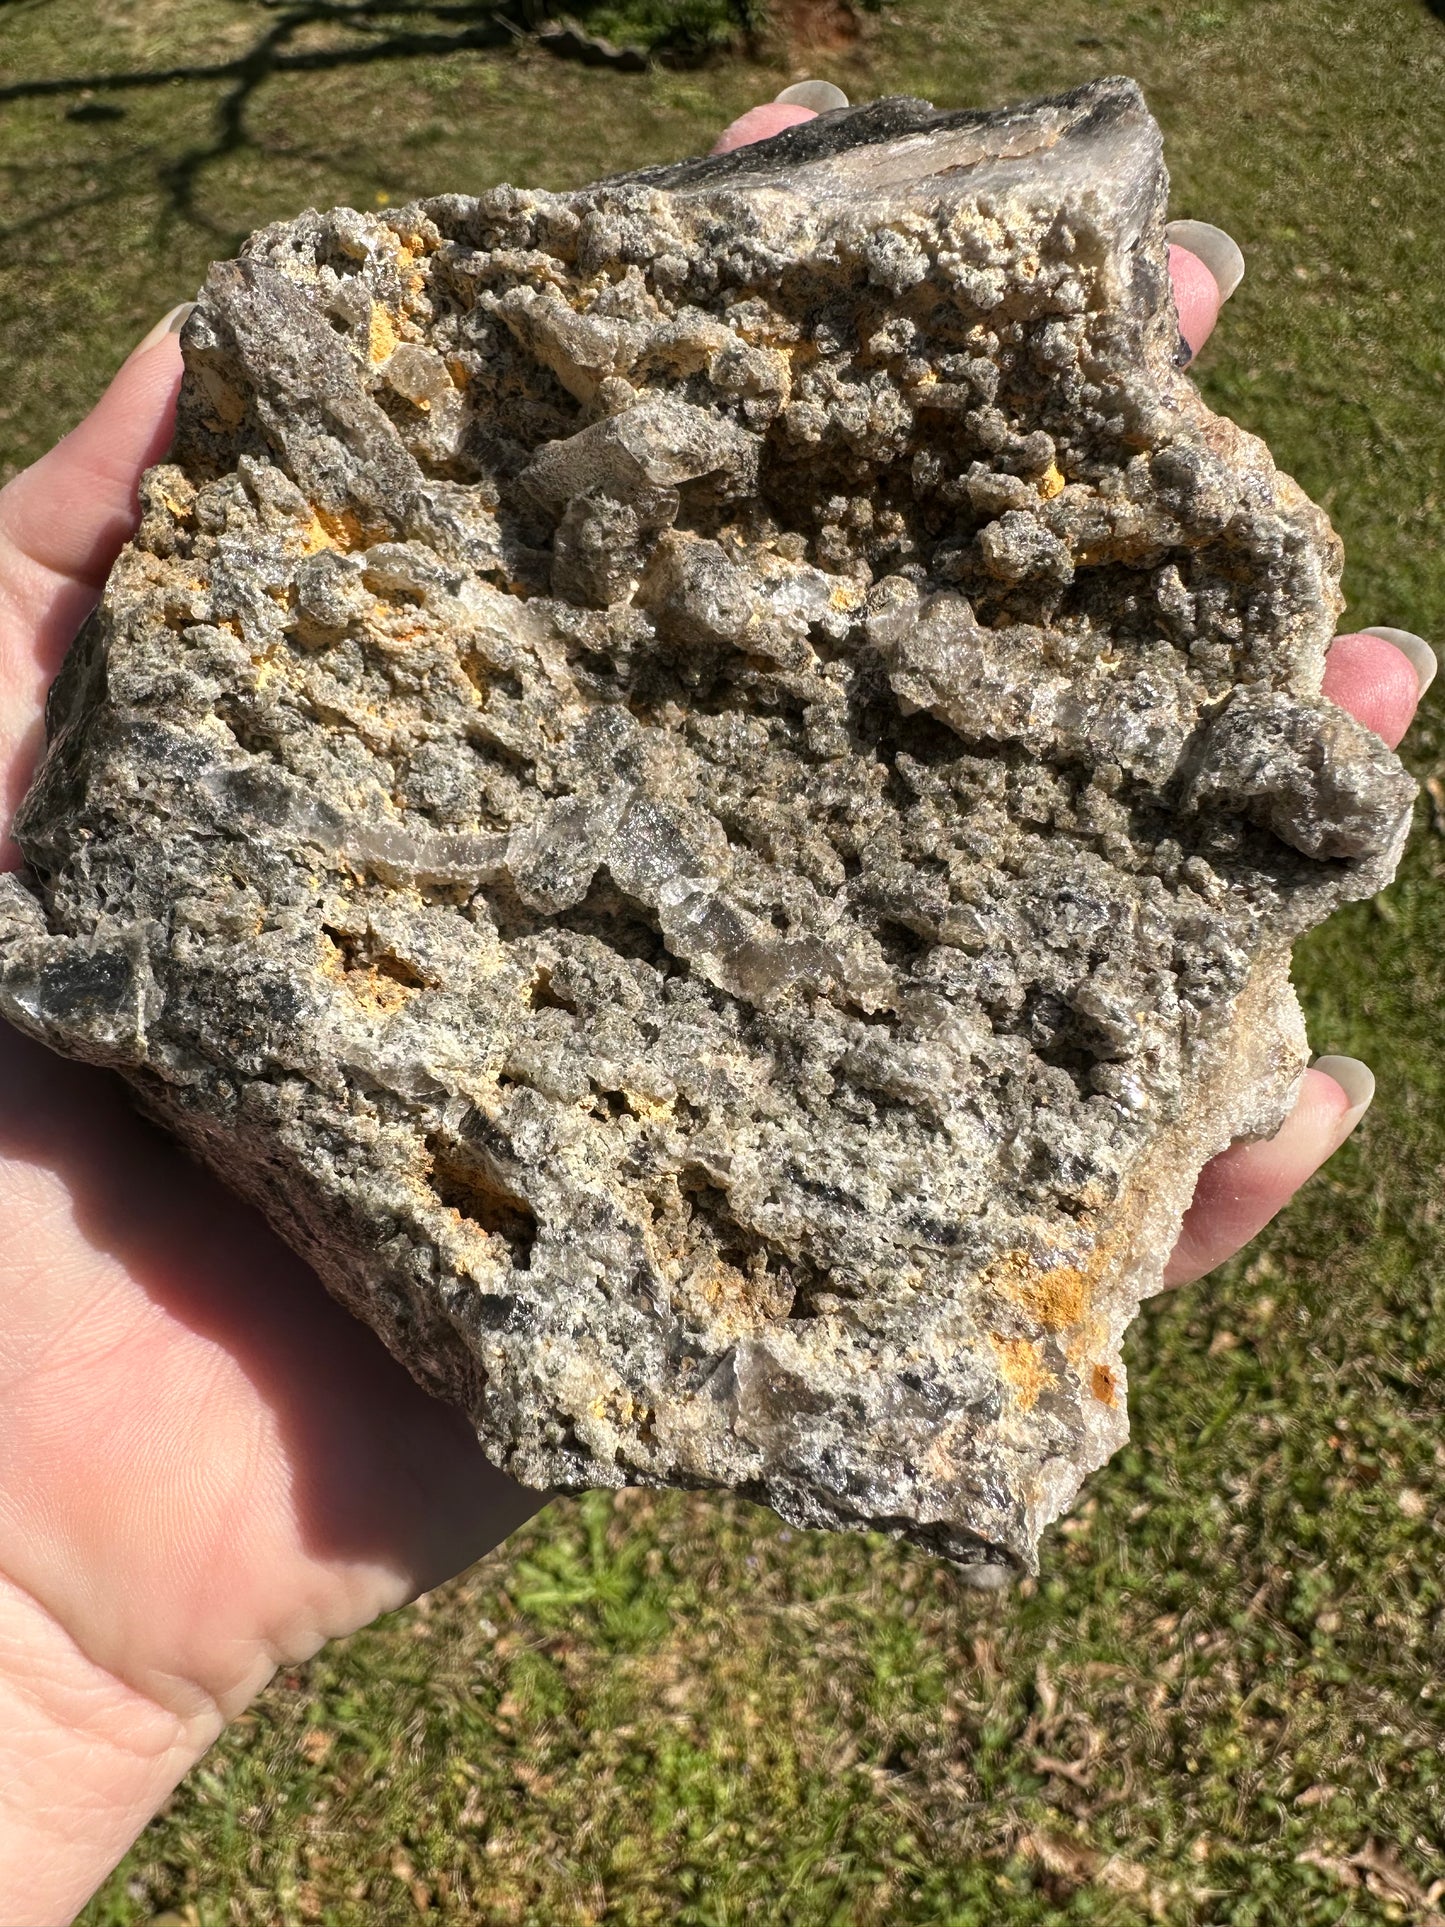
1415	649
1214	248
1355	1079
169	324
821	95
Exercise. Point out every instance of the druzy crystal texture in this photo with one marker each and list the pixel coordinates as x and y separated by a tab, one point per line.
702	788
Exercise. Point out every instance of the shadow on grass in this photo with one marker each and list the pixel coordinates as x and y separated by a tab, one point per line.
678	31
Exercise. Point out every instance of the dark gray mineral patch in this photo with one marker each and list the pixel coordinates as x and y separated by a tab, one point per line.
702	789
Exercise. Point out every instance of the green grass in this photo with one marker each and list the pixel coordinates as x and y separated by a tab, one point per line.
1221	1702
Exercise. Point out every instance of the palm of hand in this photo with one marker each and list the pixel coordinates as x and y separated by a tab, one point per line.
206	1467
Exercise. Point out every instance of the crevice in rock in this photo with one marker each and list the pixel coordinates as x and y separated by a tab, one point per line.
463	1179
617	921
359	955
544	995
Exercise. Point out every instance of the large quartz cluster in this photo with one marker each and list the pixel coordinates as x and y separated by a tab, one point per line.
702	788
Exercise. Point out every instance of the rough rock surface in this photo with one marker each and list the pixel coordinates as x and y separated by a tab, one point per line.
702	788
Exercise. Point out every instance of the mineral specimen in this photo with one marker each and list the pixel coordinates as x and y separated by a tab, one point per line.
702	789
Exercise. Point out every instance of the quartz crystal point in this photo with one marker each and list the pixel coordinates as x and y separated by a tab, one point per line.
702	789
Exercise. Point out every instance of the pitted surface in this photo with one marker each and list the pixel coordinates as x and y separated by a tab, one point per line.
702	787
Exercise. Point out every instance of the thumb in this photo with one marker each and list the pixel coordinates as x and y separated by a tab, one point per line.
62	523
67	515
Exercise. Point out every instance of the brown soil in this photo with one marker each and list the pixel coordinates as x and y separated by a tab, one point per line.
819	26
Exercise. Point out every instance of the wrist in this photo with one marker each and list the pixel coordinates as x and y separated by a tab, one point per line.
85	1761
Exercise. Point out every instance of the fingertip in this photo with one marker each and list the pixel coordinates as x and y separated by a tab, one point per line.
761	123
1244	1187
1219	252
821	95
70	511
1417	652
1376	681
170	323
134	419
1351	1097
1196	296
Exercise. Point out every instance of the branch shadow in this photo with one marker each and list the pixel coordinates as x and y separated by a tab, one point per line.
378	31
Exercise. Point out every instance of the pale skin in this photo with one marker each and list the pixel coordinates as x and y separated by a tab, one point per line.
207	1469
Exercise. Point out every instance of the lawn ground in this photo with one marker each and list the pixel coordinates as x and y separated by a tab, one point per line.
1221	1701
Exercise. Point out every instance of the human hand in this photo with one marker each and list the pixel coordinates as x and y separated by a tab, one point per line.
1378	675
206	1467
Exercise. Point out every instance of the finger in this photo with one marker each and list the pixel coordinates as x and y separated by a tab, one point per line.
62	524
1244	1187
804	100
1196	296
1206	267
760	124
63	519
1379	675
